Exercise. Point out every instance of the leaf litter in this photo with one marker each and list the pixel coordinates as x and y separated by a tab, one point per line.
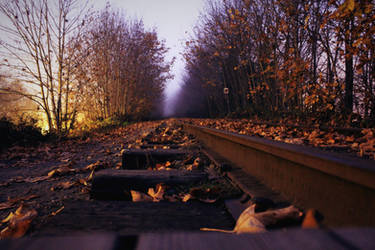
71	179
54	174
357	141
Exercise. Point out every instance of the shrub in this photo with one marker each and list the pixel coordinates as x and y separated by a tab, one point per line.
24	132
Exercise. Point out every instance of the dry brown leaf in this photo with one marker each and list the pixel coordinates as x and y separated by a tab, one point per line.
90	176
83	182
187	197
63	185
51	173
18	223
159	194
36	179
118	165
98	165
310	221
331	141
12	202
57	211
350	139
139	196
61	171
159	166
297	141
251	222
196	163
246	223
6	205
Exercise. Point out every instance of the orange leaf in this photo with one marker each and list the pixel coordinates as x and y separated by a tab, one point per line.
18	223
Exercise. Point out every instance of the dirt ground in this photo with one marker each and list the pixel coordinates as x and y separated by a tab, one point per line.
26	172
49	185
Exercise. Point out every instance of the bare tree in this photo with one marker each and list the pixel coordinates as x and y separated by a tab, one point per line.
34	47
122	70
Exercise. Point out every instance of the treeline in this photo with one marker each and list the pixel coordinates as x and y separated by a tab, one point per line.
299	59
75	64
121	69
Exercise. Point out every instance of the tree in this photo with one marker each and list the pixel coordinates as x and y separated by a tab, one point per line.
310	60
122	68
35	49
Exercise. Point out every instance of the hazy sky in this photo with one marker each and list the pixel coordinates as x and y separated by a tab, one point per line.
172	18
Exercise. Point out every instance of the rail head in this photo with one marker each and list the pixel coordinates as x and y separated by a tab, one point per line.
357	170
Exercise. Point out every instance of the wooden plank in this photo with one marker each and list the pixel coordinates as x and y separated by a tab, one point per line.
253	187
112	184
281	240
124	218
82	242
363	238
144	158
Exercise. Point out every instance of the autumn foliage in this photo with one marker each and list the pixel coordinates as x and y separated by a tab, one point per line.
120	68
297	59
77	65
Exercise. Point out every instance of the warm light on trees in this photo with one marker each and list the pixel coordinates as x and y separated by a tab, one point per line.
301	59
34	49
121	69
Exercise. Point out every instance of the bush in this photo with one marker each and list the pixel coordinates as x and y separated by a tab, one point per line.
24	132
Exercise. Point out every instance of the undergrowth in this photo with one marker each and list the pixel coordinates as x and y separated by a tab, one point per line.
24	132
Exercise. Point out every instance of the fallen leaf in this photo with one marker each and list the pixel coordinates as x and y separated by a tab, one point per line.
8	218
139	196
118	165
310	220
61	171
51	173
159	194
18	223
98	165
251	222
36	179
66	185
187	197
331	141
159	166
350	139
90	176
12	202
196	162
83	182
57	211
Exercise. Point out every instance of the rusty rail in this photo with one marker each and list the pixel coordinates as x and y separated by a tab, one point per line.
342	188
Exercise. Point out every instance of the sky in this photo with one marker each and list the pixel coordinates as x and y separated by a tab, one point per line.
174	21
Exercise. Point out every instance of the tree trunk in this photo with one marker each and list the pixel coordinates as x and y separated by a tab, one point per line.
348	98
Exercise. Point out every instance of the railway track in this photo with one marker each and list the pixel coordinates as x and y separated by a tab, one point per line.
339	186
203	182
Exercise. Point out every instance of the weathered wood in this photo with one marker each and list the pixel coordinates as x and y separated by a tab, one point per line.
113	184
144	158
125	217
281	240
82	242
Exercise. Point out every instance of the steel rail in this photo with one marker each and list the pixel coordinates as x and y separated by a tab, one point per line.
341	187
